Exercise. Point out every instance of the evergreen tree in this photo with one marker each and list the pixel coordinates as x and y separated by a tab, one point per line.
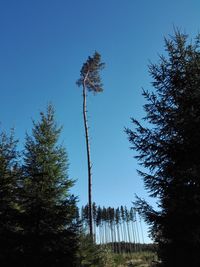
9	206
50	223
169	147
90	80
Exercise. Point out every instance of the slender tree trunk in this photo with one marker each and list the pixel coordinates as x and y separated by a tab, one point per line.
122	236
134	236
137	232
88	160
118	239
111	235
141	230
129	236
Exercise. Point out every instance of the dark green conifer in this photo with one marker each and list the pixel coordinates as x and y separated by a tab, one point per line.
50	223
9	205
169	147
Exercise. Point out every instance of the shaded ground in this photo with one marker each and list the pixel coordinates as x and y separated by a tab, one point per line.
137	259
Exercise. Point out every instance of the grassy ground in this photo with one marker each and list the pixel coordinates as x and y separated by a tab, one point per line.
93	255
136	259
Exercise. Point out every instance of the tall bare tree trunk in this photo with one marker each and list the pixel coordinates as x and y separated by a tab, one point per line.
88	160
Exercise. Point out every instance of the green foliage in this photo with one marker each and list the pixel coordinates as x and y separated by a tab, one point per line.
106	256
87	253
137	259
89	74
8	175
169	147
49	218
9	206
91	254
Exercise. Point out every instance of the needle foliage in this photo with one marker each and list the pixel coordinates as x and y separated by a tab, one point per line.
168	147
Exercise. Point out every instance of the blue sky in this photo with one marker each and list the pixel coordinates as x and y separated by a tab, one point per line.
42	48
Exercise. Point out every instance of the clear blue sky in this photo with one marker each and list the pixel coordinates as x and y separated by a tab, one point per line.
42	48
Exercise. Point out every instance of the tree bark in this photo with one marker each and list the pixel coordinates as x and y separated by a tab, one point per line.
88	160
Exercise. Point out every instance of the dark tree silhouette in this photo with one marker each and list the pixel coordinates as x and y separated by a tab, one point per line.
50	226
9	205
169	147
90	80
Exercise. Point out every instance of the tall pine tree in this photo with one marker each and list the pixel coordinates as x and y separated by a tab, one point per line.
49	224
90	80
169	147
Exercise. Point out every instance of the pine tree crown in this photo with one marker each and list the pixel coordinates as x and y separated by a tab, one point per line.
89	74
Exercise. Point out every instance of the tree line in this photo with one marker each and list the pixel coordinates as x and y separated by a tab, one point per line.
119	228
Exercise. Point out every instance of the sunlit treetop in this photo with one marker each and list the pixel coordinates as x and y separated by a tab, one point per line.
89	74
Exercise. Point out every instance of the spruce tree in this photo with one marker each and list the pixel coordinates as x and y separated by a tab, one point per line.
50	211
168	146
9	206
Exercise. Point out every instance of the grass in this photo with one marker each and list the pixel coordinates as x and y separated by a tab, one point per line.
136	259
